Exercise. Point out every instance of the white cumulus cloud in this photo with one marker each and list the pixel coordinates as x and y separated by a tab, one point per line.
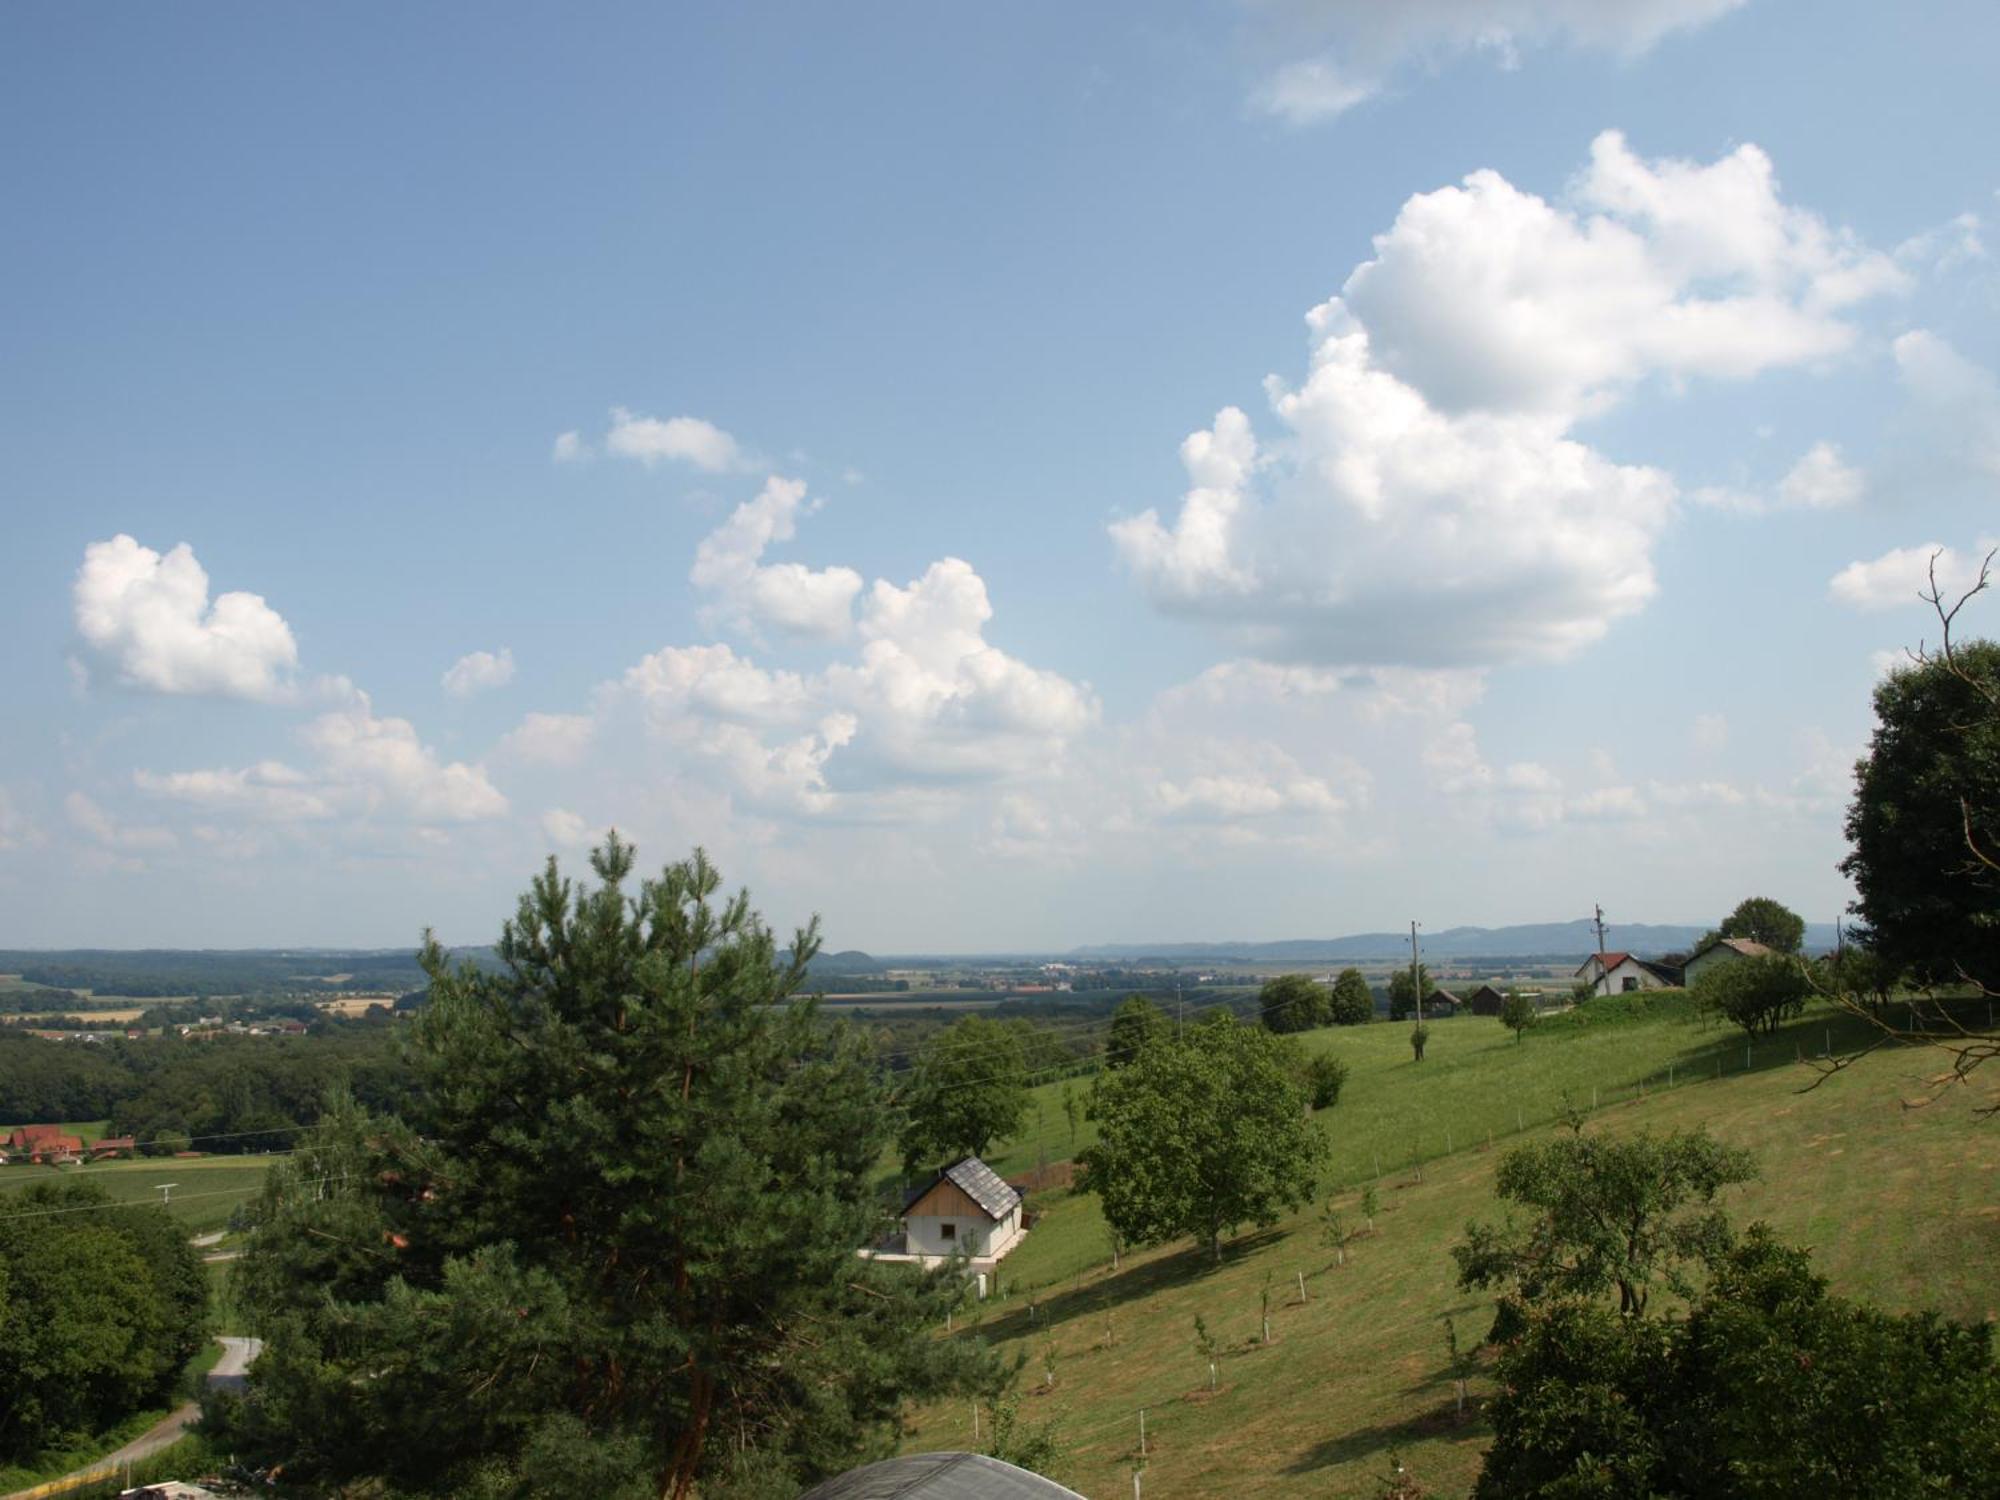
148	619
786	596
479	670
550	739
1902	576
1423	501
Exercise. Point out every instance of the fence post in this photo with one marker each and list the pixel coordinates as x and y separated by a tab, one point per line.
1302	1288
1142	1432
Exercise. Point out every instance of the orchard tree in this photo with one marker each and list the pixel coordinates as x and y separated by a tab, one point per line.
968	1088
1201	1134
1610	1213
1517	1014
1292	1002
1351	1003
610	1250
1758	993
1765	921
1136	1022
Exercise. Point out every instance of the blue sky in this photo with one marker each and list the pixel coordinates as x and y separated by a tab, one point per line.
1000	481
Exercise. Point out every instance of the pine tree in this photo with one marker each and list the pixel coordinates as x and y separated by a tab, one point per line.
616	1236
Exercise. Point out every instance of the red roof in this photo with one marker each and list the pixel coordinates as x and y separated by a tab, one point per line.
1610	960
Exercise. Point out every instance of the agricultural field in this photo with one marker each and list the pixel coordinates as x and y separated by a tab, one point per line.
206	1190
1897	1204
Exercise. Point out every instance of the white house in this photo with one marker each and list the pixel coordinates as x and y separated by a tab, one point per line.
1621	974
965	1210
1721	950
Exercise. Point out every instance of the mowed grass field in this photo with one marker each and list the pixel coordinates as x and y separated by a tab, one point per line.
206	1189
1900	1206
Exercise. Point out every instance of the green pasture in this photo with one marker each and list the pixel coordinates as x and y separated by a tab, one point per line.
1898	1203
206	1190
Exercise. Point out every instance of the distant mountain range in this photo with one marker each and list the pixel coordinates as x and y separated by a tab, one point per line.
1565	940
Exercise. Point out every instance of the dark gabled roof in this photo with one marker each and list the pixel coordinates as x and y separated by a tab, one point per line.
978	1182
939	1476
1445	995
1486	989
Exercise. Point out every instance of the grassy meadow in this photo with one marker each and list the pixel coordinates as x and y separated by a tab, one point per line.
206	1189
1899	1205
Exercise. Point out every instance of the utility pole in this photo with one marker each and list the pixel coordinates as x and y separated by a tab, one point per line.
1416	975
1603	978
166	1192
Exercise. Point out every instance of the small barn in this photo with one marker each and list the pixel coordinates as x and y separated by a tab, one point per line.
1486	1001
1442	1003
966	1209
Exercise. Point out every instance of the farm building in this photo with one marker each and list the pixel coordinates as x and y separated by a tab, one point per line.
1442	1003
1622	973
1486	1001
965	1210
1722	950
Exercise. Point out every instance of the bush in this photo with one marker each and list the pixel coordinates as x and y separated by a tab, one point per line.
1325	1075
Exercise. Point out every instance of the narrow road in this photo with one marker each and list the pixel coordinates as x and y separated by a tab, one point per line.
235	1362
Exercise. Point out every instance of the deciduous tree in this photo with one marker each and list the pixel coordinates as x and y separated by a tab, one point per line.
1758	993
968	1089
1136	1022
1352	1003
1199	1135
1765	921
1292	1002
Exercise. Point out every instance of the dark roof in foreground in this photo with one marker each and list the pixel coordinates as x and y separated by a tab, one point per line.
939	1476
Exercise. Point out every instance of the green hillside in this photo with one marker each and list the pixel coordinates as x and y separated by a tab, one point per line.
1899	1205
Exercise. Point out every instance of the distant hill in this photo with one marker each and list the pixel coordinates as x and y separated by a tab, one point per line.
1549	940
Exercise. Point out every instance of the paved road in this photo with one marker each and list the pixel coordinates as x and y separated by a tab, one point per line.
236	1356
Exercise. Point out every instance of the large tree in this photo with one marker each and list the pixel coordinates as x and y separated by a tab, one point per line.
1611	1213
100	1308
1404	990
1292	1002
1758	993
1765	921
1136	1022
1925	820
611	1249
1200	1134
1352	1003
968	1088
1767	1387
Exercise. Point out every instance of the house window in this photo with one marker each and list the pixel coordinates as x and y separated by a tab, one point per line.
947	1230
1631	984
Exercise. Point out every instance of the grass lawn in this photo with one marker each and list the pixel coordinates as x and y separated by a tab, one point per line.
1899	1206
206	1190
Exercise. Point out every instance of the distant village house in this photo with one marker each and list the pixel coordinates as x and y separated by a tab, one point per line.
1623	974
967	1209
1722	950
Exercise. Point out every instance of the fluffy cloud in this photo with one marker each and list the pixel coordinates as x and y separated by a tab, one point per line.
569	448
568	830
1424	502
148	618
479	670
786	596
1902	576
113	837
1356	47
363	765
677	439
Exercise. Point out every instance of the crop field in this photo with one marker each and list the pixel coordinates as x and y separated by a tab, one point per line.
205	1190
1897	1203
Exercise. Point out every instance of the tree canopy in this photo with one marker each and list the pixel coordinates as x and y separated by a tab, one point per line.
1403	993
100	1307
1924	824
1765	921
1292	1002
1758	993
1352	1003
1768	1387
1201	1134
610	1250
1136	1022
1611	1213
969	1088
1517	1013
